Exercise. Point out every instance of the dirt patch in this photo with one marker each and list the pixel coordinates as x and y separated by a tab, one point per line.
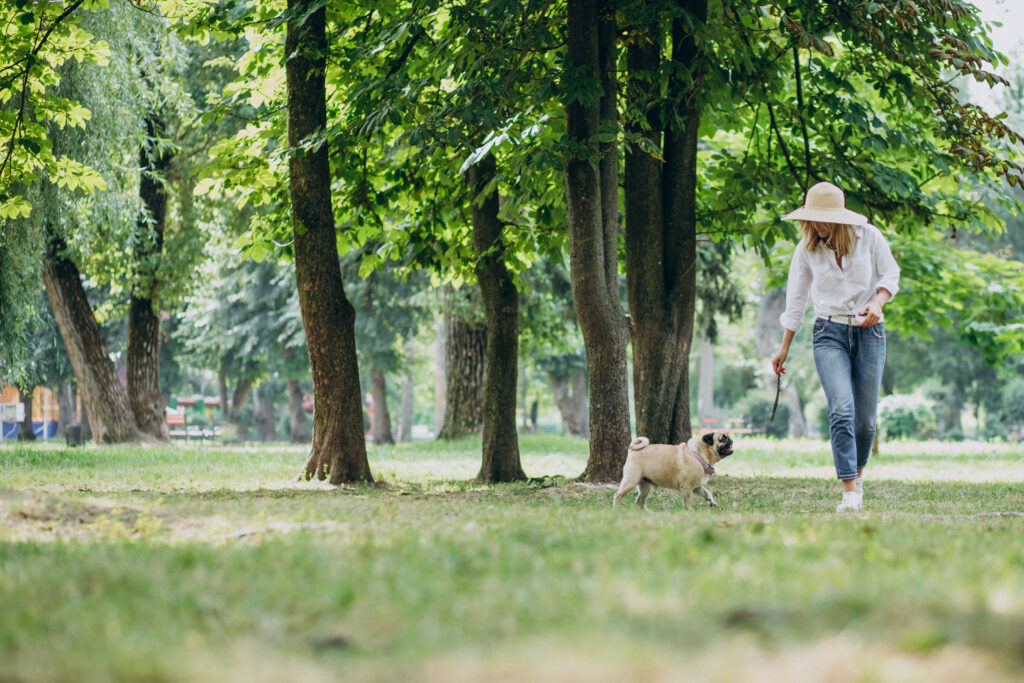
33	515
43	517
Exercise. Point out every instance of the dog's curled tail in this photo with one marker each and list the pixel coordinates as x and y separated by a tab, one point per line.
638	443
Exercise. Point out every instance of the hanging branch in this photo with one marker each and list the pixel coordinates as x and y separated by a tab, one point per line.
29	59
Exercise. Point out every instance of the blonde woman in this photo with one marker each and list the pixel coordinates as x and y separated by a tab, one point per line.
846	266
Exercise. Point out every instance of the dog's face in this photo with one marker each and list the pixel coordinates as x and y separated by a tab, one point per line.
719	442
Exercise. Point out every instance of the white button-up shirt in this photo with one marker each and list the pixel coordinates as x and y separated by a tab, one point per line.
836	291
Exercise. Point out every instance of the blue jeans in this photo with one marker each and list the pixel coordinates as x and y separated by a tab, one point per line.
850	361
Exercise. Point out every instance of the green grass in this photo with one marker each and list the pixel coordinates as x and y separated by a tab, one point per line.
205	563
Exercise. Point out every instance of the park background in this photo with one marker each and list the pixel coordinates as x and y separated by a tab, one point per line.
150	161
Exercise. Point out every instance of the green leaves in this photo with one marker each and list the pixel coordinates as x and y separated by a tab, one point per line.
14	207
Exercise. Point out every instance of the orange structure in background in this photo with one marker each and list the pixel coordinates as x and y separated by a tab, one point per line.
45	409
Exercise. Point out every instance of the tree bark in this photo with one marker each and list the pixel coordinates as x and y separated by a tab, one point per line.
239	397
570	392
381	415
706	381
263	414
465	346
408	407
65	409
339	445
500	462
661	232
299	432
592	212
768	336
106	402
143	355
25	430
440	372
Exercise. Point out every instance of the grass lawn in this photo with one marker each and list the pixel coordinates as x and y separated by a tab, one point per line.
209	563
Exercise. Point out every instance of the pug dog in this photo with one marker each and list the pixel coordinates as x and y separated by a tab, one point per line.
685	467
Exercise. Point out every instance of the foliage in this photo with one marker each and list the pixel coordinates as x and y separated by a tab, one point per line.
907	416
758	413
1006	420
243	318
39	39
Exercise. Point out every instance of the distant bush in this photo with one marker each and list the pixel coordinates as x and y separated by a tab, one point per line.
1007	418
907	416
759	410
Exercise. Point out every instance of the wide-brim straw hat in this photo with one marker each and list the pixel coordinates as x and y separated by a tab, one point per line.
825	203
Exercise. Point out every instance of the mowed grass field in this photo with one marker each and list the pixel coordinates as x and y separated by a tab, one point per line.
197	562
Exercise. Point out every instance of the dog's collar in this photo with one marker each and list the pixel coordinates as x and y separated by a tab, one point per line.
708	469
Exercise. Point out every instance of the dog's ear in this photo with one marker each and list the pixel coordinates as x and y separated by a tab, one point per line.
709	438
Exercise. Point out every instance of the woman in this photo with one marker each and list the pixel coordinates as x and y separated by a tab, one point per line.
846	265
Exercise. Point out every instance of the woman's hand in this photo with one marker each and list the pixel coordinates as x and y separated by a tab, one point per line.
873	311
783	354
779	361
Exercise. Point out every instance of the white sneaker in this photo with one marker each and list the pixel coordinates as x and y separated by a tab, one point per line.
859	483
852	500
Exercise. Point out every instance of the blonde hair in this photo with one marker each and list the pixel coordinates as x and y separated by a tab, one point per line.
840	241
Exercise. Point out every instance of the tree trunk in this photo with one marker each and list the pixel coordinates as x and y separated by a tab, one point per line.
65	409
143	356
105	399
25	430
263	413
299	432
500	460
440	373
954	405
237	405
381	414
222	392
768	334
706	381
768	337
570	393
592	212
465	345
661	232
797	425
339	445
408	396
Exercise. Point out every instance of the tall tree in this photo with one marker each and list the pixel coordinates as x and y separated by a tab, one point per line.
661	217
465	348
591	189
339	447
105	399
501	300
143	357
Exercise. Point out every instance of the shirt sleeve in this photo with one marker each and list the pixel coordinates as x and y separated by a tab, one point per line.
798	287
887	271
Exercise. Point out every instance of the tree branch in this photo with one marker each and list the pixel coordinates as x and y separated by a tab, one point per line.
782	143
800	114
19	121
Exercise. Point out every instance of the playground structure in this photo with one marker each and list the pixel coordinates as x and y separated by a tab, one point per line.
198	417
45	412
